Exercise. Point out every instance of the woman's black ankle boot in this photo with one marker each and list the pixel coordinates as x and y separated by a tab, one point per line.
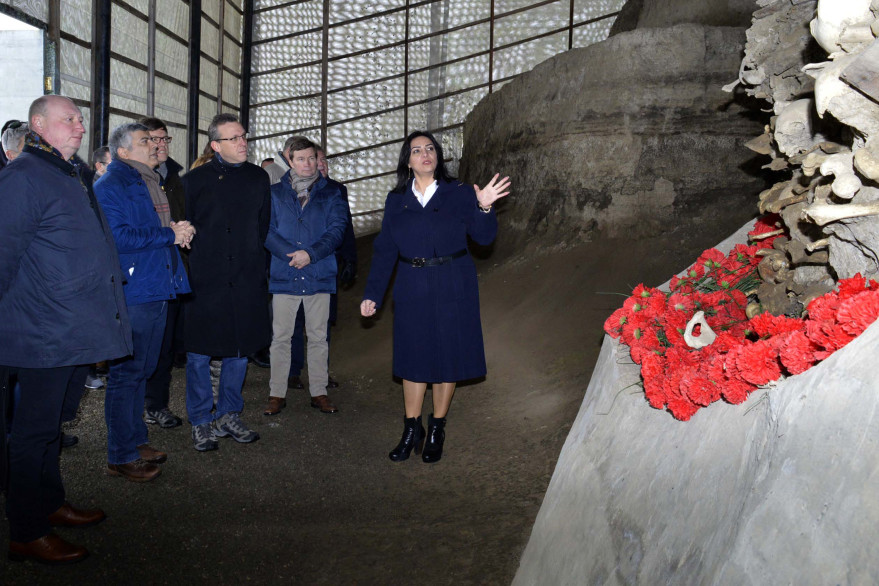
436	435
413	438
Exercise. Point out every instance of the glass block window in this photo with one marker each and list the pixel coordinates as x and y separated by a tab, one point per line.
362	75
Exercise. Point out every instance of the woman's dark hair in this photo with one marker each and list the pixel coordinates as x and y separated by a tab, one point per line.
403	173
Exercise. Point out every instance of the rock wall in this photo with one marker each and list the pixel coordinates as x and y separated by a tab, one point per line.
778	490
631	136
664	13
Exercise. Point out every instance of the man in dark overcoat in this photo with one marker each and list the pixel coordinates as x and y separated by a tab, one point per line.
228	203
61	308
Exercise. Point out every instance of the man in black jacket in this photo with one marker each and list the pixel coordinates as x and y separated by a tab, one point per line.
61	308
228	203
158	385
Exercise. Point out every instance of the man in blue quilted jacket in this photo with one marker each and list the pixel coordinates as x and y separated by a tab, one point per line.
140	218
307	226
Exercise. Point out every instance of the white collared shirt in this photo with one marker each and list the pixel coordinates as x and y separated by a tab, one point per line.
423	198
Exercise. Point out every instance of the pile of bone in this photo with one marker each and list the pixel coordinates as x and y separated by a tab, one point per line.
823	139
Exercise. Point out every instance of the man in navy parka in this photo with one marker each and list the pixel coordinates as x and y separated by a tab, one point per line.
61	309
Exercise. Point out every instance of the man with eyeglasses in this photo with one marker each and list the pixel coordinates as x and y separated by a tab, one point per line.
61	308
101	159
156	408
228	202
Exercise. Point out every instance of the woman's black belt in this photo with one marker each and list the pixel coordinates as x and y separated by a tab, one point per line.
432	262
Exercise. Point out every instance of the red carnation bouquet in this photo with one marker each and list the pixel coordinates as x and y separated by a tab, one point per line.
747	353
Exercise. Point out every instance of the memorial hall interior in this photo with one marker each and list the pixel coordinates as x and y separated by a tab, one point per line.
636	134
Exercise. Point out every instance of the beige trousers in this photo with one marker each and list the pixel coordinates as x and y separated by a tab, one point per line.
317	312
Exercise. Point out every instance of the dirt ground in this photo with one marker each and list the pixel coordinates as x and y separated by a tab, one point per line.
317	501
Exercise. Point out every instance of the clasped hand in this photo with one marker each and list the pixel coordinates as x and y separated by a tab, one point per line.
299	259
184	232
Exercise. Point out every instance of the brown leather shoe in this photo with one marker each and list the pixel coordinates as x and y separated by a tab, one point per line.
275	405
48	549
322	402
151	454
67	516
138	471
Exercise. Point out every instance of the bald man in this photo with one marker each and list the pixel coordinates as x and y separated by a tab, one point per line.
61	308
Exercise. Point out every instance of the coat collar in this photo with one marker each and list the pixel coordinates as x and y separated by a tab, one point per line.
65	167
439	198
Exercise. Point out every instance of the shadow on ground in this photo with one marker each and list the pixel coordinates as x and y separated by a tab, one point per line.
317	501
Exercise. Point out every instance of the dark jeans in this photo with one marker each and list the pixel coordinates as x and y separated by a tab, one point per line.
297	342
35	487
159	384
126	385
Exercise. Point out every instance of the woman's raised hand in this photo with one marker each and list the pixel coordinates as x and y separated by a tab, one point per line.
367	308
493	191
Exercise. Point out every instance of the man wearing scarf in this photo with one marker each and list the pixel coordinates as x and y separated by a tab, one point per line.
309	217
61	308
140	218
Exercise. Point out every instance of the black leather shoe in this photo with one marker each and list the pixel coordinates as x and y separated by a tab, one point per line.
331	383
261	358
294	382
68	441
436	435
413	439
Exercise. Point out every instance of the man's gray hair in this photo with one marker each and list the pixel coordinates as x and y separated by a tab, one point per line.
120	138
12	138
219	120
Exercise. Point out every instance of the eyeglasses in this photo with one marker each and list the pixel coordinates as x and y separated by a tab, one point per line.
164	139
429	149
241	137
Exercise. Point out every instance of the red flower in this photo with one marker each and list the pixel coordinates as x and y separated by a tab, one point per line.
766	324
852	286
696	385
758	363
643	292
614	324
824	308
797	352
711	259
681	407
764	224
858	312
736	391
654	391
655	305
827	334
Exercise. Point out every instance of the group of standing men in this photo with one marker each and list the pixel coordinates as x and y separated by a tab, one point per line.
91	273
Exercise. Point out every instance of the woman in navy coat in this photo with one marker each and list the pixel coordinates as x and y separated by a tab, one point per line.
437	330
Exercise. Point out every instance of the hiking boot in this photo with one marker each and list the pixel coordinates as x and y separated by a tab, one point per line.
231	425
163	417
203	438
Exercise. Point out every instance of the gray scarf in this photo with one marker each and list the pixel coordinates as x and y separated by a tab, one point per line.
301	185
157	194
